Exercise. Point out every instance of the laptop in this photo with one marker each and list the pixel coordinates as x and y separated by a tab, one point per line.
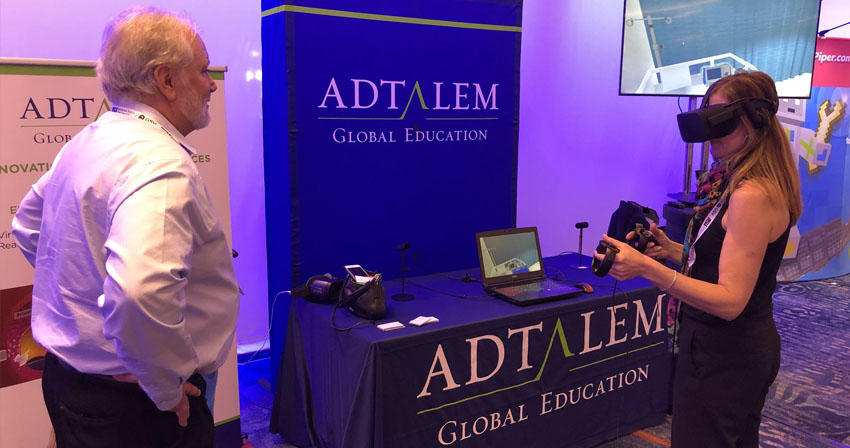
512	268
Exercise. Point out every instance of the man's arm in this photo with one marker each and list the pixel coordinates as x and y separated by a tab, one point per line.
26	224
149	253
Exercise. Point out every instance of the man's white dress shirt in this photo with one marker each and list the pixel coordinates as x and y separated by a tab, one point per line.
133	273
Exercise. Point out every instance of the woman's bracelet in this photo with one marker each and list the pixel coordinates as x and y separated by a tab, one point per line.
675	276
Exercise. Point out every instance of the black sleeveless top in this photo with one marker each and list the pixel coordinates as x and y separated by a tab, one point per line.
707	264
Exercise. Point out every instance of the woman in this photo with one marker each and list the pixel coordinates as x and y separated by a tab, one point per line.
728	343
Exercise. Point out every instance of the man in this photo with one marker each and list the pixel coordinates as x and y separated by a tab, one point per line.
134	296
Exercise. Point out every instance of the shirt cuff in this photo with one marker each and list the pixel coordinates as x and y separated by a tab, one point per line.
166	401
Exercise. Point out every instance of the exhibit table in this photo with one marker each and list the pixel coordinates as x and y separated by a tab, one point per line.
572	372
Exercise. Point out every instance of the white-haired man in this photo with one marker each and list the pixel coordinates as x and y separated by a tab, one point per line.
134	296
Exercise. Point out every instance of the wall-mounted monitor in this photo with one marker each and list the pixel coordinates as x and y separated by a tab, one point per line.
680	47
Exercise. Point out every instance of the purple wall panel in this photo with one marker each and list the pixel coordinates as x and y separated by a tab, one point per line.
582	147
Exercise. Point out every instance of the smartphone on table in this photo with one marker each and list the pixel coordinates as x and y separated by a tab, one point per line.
358	273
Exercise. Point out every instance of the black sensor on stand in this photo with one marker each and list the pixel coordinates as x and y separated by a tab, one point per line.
580	226
402	297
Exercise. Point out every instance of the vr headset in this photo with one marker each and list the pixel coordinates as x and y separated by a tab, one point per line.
710	122
320	288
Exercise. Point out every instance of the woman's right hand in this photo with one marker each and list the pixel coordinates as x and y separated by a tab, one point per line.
663	247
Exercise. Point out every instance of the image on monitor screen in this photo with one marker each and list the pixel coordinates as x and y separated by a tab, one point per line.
509	254
680	47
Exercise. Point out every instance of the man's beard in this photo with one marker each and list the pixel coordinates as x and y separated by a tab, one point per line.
195	109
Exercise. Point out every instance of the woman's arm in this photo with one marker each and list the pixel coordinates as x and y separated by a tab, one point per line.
752	222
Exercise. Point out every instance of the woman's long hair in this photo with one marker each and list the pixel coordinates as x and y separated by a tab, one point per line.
766	157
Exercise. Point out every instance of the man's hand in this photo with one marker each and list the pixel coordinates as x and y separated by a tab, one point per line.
182	408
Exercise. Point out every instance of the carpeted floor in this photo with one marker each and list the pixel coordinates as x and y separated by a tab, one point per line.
812	392
808	405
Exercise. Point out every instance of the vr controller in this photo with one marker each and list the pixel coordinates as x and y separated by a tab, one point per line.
601	268
642	238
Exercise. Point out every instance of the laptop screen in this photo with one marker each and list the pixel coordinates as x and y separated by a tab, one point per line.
511	253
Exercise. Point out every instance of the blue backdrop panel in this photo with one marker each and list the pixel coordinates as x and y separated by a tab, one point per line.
819	132
384	123
824	226
276	173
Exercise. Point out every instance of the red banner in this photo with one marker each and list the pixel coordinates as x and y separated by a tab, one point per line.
832	63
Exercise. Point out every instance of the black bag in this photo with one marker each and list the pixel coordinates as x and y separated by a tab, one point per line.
628	214
368	300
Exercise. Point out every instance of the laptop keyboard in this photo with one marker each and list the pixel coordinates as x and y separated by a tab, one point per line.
530	289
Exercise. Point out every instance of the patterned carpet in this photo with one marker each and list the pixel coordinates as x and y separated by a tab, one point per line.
808	405
812	392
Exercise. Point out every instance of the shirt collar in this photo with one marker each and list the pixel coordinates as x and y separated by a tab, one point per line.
169	128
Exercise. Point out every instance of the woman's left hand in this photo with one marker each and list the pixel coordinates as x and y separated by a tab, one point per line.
629	263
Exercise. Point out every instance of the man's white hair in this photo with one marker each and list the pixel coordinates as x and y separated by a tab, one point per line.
135	43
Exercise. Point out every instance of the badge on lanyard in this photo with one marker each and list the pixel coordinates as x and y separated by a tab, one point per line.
712	215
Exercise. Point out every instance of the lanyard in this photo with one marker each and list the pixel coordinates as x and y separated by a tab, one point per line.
712	215
147	119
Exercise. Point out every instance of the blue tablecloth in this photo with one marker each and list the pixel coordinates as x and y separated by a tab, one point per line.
572	372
